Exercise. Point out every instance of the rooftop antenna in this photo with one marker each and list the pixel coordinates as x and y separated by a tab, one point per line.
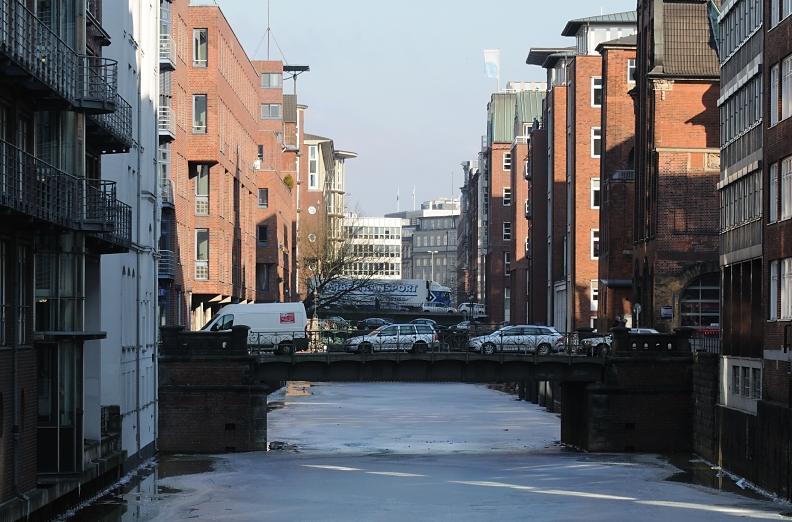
413	198
398	209
269	28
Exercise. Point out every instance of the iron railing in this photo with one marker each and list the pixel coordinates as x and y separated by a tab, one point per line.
166	51
166	122
166	190
103	215
35	188
167	264
34	48
117	125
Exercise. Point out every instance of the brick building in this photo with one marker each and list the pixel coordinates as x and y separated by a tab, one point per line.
527	115
675	259
470	236
617	191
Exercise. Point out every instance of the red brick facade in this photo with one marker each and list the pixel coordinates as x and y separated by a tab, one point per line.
499	214
520	195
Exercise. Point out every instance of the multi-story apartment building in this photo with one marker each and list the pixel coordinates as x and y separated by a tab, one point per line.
548	193
574	143
527	115
429	242
616	184
472	235
322	205
675	258
500	234
375	247
76	376
536	257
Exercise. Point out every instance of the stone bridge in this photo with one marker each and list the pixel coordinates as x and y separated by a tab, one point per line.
213	390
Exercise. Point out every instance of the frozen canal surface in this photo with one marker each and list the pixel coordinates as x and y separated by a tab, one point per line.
411	452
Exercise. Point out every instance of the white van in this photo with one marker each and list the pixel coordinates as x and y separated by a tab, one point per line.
277	327
473	310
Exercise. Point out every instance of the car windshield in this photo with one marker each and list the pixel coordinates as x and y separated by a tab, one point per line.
378	329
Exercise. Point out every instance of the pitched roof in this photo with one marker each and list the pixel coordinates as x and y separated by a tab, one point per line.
626	17
314	137
290	108
686	45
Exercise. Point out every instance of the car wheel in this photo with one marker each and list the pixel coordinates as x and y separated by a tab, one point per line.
543	349
364	348
488	349
602	349
419	348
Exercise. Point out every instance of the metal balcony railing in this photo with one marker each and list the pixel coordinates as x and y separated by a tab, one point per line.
167	264
166	191
35	188
166	52
85	82
166	123
103	215
116	127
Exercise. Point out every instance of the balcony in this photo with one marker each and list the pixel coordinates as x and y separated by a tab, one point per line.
166	53
166	192
103	217
98	84
34	189
166	124
166	264
93	10
112	132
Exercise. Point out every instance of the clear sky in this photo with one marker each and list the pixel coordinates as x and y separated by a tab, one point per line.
402	83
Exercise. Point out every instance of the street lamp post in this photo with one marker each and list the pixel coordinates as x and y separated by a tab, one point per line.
431	262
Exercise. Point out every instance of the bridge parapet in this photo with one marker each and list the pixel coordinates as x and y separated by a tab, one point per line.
176	341
626	343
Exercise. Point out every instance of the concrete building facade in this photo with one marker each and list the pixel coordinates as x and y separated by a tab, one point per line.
376	247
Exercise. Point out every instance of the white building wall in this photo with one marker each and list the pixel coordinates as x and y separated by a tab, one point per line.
129	281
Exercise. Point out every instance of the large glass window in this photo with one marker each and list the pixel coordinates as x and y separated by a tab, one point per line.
262	276
271	80
631	70
202	253
786	87
271	111
700	302
507	231
786	289
200	47
202	190
313	167
774	94
772	304
199	114
786	188
773	214
596	92
262	234
263	197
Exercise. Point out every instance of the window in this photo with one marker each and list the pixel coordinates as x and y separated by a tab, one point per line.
775	12
263	197
596	142
786	289
596	197
199	114
773	214
271	111
506	304
595	248
262	276
631	70
202	254
786	87
786	188
507	197
594	295
507	231
756	383
735	380
507	263
596	92
262	234
699	303
774	95
507	161
786	8
313	167
271	80
200	40
202	190
260	153
772	305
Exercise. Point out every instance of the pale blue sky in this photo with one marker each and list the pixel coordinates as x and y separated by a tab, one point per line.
403	83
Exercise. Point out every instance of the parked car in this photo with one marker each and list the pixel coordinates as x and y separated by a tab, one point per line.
276	327
417	338
372	323
438	308
424	320
336	322
519	338
473	310
601	345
